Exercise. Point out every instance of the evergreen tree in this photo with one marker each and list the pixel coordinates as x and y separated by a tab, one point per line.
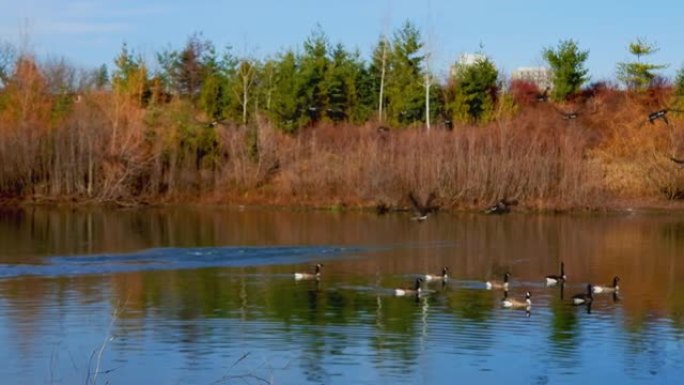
567	64
101	77
638	75
215	97
311	95
475	87
284	110
340	85
679	83
129	78
405	91
366	95
185	71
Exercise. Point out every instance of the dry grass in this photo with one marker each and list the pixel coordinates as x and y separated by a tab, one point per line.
110	148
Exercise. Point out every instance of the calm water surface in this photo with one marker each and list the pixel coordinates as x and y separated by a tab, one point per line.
207	296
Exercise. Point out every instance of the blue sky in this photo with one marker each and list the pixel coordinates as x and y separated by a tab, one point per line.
90	32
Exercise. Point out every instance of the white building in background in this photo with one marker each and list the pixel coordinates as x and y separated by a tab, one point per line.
540	76
466	59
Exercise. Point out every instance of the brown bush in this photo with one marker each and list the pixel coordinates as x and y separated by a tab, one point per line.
105	146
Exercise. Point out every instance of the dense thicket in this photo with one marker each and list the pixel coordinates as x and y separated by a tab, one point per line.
324	126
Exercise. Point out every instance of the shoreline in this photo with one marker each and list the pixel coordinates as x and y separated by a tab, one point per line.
617	206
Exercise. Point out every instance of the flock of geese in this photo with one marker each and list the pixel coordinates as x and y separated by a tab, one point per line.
585	298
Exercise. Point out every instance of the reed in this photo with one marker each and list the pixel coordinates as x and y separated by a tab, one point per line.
103	146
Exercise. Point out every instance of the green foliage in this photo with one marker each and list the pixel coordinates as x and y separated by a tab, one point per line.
404	79
197	73
638	75
215	97
284	109
340	84
62	105
475	88
679	83
366	94
567	63
129	78
311	92
198	143
101	77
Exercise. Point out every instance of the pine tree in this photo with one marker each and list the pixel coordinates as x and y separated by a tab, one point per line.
311	95
567	64
284	110
129	78
405	91
215	97
475	87
638	75
679	83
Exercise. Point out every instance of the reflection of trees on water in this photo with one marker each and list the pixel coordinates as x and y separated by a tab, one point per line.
317	320
646	353
563	333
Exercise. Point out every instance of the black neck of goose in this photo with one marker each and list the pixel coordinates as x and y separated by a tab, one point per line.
444	271
615	281
318	269
417	286
562	269
506	277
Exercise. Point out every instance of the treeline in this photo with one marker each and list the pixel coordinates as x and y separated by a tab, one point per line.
324	126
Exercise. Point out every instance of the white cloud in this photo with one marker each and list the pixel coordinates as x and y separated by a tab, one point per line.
78	17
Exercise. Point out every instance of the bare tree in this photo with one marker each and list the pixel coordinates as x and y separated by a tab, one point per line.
428	82
383	70
247	74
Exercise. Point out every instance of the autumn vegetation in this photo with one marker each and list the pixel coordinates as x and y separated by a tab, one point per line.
326	128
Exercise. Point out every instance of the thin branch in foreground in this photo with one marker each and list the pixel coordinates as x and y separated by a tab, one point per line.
98	352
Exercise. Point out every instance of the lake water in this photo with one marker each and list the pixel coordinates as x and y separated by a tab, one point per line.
207	296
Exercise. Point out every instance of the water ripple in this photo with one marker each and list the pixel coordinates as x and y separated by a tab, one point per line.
173	259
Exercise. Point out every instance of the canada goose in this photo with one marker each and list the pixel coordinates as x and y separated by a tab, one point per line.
512	303
503	206
660	114
583	298
422	210
544	96
415	291
438	277
607	289
555	279
573	113
497	284
382	129
315	275
568	115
